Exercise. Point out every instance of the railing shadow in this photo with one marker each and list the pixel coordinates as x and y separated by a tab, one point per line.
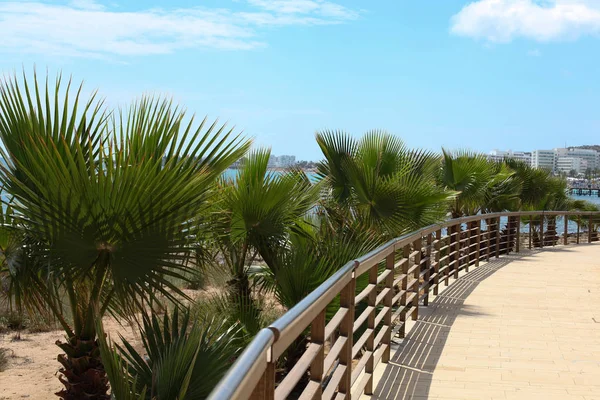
410	370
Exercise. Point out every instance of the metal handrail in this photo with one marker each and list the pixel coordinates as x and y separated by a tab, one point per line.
244	376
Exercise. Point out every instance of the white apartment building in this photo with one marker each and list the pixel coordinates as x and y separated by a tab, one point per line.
281	161
558	160
499	155
545	159
568	164
591	157
273	160
286	161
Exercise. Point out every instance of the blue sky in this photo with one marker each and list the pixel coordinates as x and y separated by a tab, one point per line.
518	74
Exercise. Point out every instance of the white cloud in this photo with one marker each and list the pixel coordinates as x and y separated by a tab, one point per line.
86	5
543	21
317	7
534	53
87	28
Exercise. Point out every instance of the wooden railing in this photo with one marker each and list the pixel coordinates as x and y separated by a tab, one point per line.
377	293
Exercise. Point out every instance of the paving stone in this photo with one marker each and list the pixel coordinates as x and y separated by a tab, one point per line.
520	327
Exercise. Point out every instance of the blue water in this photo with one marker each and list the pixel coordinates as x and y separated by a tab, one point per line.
591	199
231	174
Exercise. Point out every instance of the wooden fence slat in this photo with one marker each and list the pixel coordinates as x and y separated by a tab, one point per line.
469	244
418	244
457	233
497	237
388	302
530	230
428	269
403	302
265	389
370	366
347	297
438	244
317	336
489	239
518	234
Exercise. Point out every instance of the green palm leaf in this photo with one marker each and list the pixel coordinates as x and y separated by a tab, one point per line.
111	199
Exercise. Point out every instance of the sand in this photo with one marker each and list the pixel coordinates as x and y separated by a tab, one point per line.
32	372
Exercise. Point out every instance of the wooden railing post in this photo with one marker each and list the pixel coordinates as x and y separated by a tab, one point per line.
457	234
317	335
489	239
418	244
478	244
388	302
438	244
468	258
578	227
497	237
428	269
347	297
403	302
508	236
449	258
542	238
530	230
518	234
372	302
404	287
566	233
590	224
265	388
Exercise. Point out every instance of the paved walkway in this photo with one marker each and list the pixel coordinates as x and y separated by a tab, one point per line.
523	327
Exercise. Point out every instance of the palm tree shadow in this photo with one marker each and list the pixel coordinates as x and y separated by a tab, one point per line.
410	370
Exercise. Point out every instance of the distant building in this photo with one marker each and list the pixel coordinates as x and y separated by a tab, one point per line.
273	160
558	160
591	157
544	159
500	155
286	161
568	164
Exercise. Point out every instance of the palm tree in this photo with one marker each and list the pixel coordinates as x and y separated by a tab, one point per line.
183	358
379	182
303	262
253	215
475	179
541	191
503	191
107	204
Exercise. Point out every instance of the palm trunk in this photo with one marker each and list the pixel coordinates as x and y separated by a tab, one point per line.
550	234
82	372
241	283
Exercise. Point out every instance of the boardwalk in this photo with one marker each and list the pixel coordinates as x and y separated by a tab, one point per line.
523	327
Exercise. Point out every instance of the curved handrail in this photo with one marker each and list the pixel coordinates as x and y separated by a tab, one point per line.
253	375
242	378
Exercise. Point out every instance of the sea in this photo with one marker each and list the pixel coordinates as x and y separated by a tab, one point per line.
591	199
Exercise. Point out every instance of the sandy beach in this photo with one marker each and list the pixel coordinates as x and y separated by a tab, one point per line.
32	369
